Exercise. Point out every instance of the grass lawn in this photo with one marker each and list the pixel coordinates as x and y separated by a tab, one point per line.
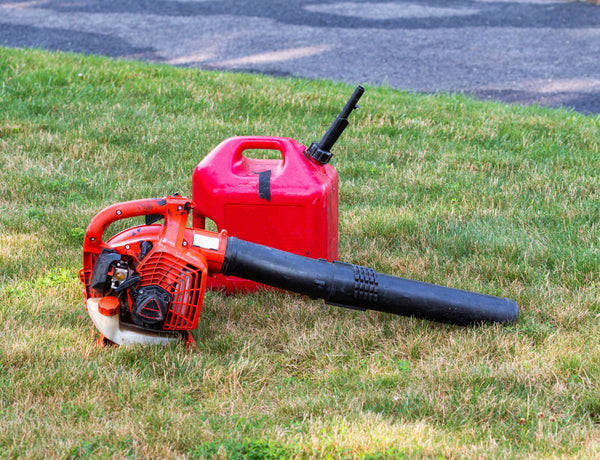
475	195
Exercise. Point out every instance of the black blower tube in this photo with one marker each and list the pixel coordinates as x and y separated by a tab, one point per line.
362	288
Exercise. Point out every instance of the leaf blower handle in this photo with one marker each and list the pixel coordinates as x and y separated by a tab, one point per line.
362	288
174	209
320	151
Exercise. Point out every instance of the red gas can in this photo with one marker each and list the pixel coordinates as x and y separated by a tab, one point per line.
289	204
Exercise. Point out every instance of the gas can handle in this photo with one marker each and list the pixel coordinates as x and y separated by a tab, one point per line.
260	142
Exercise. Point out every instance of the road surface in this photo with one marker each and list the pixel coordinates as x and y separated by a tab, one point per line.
524	51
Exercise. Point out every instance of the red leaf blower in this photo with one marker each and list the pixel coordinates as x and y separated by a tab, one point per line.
146	284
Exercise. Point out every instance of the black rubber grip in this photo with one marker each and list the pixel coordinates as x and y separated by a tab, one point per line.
357	287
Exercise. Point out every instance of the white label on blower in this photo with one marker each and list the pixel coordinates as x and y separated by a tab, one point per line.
206	242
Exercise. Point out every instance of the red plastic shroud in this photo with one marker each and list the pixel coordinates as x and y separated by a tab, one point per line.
289	203
175	263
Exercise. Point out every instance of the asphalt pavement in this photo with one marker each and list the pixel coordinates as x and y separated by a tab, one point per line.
545	52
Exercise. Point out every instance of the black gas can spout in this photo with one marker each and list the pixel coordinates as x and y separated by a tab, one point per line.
320	151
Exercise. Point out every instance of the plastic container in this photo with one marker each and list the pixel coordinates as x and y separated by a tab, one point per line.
289	204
